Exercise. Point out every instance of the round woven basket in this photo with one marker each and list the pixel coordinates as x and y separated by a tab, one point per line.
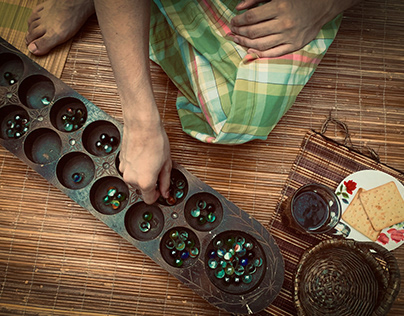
345	277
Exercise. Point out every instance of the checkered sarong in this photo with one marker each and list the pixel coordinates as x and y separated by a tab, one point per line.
226	95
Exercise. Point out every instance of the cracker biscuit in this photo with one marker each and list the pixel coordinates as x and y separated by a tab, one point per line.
357	218
384	205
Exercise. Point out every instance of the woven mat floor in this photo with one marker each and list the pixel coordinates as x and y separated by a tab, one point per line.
57	259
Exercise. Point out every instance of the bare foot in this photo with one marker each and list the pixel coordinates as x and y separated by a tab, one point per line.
54	22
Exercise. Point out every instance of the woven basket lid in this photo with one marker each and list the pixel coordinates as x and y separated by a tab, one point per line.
336	281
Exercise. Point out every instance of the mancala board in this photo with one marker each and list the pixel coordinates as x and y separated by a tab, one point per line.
205	241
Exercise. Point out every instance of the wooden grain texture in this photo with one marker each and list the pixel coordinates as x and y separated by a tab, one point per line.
57	259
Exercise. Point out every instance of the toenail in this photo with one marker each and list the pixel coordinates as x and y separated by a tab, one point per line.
32	47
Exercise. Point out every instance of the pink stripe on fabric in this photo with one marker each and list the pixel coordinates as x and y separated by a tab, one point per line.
297	57
221	22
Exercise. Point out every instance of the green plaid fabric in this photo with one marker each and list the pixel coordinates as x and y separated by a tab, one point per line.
226	95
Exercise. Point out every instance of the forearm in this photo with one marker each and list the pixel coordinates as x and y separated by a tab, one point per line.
125	28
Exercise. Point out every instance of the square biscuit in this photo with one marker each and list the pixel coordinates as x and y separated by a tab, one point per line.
384	205
355	215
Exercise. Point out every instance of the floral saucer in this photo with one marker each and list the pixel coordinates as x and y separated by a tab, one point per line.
391	237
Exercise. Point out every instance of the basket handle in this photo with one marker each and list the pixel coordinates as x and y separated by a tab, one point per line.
393	285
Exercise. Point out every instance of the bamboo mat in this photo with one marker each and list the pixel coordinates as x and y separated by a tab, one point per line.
13	27
57	259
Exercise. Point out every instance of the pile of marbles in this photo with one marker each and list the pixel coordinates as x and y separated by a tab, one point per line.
181	247
203	212
8	76
114	198
73	119
146	224
177	192
17	126
234	260
106	143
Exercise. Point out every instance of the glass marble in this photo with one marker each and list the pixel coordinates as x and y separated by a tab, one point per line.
184	255
121	196
10	133
227	279
112	191
174	235
180	184
219	273
212	254
218	243
7	75
190	243
201	204
239	270
221	252
258	262
171	200
170	244
115	204
212	263
248	245
240	240
77	177
247	278
195	212
144	227
104	137
147	216
180	245
227	256
179	194
251	268
230	241
107	199
211	217
201	219
183	235
68	127
45	100
98	144
229	270
12	81
178	262
210	207
108	148
194	252
244	262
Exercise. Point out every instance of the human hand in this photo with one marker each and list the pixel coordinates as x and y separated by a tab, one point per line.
282	26
145	161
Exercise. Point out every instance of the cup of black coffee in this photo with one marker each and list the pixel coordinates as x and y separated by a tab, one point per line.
314	208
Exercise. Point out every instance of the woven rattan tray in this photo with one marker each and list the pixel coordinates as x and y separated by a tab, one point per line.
345	277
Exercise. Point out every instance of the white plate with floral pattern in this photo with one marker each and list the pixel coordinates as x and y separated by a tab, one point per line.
390	237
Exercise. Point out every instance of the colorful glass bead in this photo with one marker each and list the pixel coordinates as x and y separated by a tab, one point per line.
230	241
174	253
174	235
147	216
112	191
247	278
170	244
178	262
10	133
45	100
201	204
240	240
107	199
210	207
211	217
144	227
7	75
121	196
218	243
77	177
68	127
98	144
251	268
171	200
180	245
12	81
183	235
241	252
236	280
70	111
195	212
248	245
227	256
229	270
104	137
258	262
219	273
180	184
184	255
212	263
227	279
194	252
179	194
115	204
239	270
221	252
244	262
201	219
212	254
108	148
113	141
190	243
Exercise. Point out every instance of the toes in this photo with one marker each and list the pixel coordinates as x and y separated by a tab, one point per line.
35	14
34	33
41	46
